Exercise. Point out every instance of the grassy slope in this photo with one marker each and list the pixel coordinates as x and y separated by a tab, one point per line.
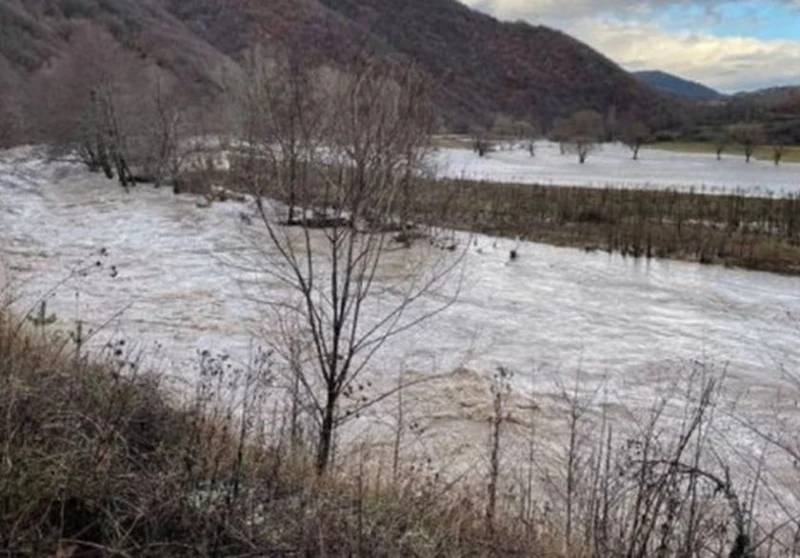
97	460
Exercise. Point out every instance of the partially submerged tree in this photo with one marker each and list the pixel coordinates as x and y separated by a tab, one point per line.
282	121
527	133
9	122
583	133
721	141
558	134
369	151
112	108
634	135
777	153
481	143
749	136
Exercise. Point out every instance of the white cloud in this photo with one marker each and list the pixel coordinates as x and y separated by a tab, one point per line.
629	33
727	63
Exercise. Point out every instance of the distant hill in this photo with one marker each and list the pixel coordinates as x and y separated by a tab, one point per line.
480	66
773	97
679	87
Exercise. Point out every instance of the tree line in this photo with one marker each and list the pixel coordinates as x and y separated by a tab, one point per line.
584	132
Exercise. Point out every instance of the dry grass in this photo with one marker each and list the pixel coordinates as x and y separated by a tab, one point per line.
735	230
97	460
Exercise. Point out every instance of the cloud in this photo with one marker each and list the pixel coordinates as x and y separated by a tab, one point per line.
691	38
727	63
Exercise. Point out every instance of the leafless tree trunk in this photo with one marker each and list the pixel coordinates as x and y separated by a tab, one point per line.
283	121
366	142
582	133
501	388
635	134
110	107
749	136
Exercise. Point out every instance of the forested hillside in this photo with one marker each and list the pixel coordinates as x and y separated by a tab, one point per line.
480	67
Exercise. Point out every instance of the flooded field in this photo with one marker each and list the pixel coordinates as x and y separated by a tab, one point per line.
625	330
611	166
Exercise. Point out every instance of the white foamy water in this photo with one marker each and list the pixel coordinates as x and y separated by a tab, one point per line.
612	167
631	326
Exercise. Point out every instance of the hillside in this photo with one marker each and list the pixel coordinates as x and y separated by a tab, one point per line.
480	66
679	87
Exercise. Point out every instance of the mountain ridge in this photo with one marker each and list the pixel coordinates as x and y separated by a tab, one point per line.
671	84
481	67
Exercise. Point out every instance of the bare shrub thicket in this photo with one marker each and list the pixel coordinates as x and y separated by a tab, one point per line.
663	484
118	111
344	150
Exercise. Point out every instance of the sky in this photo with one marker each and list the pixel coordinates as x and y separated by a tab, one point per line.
731	45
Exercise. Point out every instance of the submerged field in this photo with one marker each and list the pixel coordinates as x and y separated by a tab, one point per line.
611	166
622	334
663	206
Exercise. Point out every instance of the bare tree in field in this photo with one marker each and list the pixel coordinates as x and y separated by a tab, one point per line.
583	132
112	108
370	144
634	135
721	141
481	144
778	148
749	136
558	134
503	127
527	133
283	121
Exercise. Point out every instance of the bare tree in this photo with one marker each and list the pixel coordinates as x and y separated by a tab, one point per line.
376	123
777	151
558	134
284	119
749	136
527	133
503	126
583	131
9	127
634	135
481	144
116	111
721	141
161	128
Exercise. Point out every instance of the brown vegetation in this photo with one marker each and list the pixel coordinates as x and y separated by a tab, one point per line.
733	229
98	460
